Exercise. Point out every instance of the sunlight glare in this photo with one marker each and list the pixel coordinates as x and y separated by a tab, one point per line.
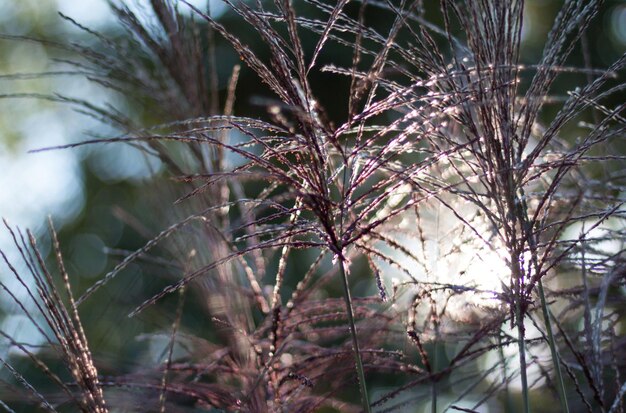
468	273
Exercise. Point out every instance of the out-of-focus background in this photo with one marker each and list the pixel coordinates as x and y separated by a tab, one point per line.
74	187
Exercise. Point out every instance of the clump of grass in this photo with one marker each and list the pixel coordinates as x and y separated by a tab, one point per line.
66	335
443	163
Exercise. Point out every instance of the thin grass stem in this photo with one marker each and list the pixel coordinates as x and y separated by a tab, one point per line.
553	350
522	355
355	341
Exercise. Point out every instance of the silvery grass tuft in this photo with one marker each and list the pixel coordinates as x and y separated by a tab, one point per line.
464	184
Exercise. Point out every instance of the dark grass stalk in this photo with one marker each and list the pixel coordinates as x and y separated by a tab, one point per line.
547	315
170	350
355	341
435	362
43	401
5	407
504	363
556	359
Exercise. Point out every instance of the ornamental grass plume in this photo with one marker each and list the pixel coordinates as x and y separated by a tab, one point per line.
413	246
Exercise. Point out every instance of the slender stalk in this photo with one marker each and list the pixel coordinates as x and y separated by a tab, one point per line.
507	396
522	355
546	313
348	299
553	350
517	207
433	403
355	341
433	390
519	317
170	350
